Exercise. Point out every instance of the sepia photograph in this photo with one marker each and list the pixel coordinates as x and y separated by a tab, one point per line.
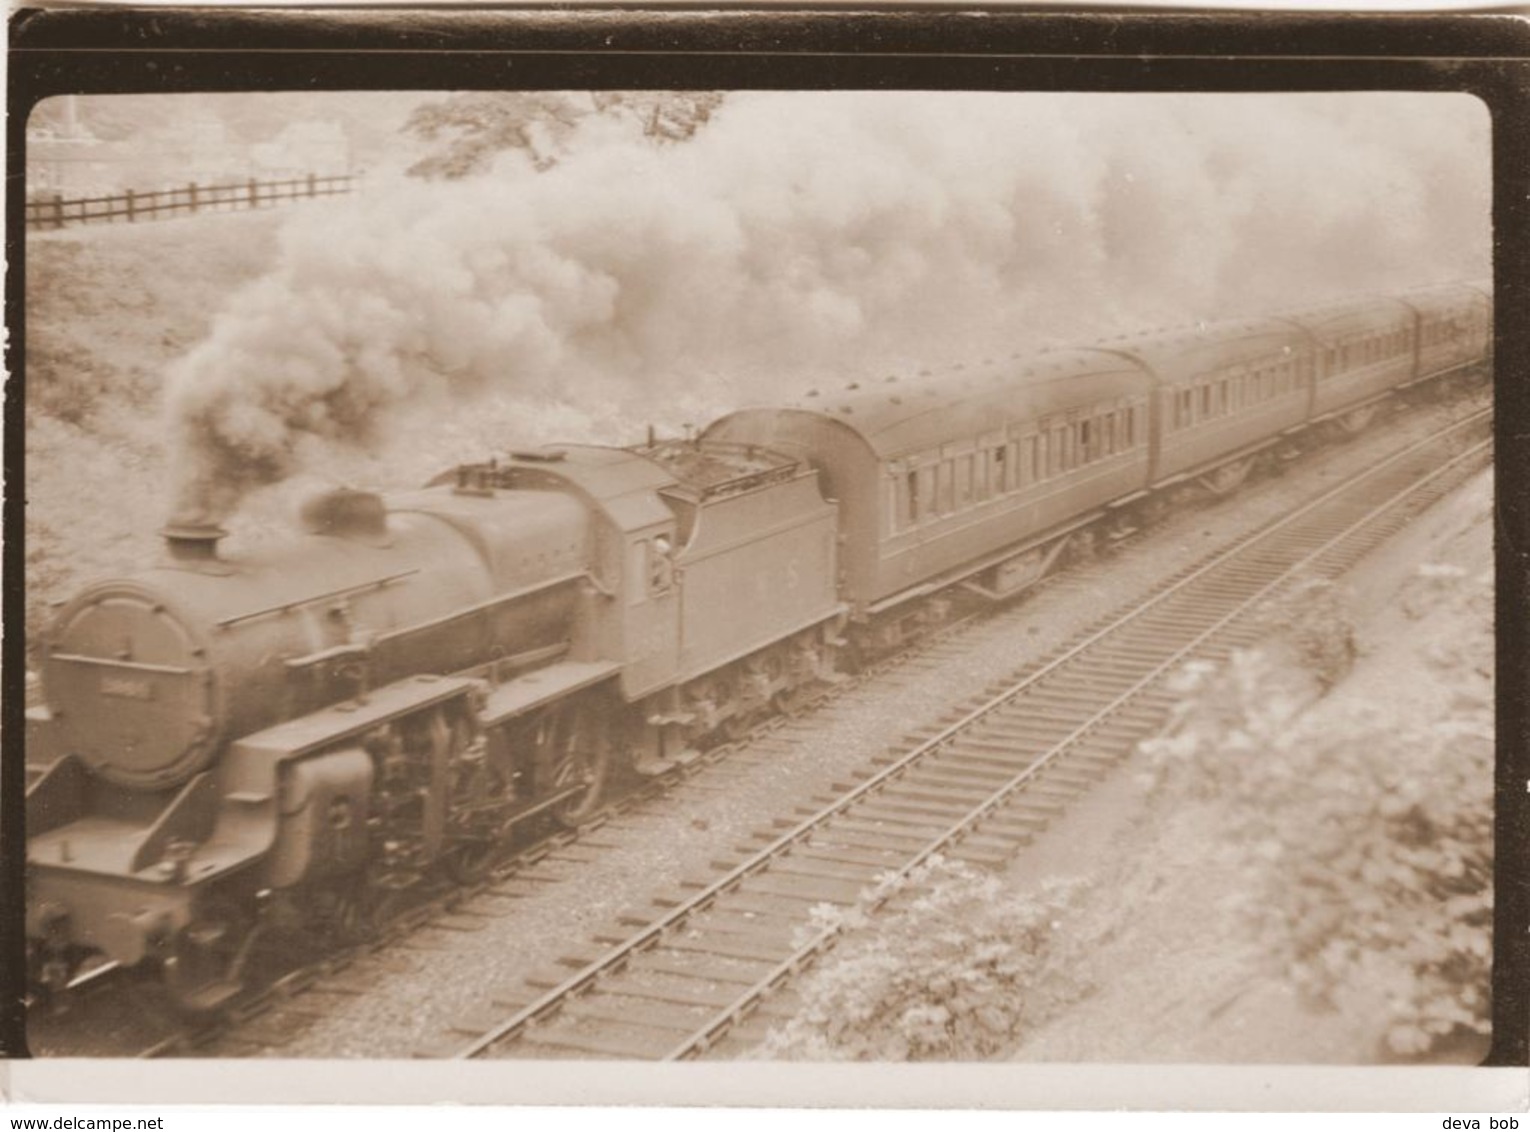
742	575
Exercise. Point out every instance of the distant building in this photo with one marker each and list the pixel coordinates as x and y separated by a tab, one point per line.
68	158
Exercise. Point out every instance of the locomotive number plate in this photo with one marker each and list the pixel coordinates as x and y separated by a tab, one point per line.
126	688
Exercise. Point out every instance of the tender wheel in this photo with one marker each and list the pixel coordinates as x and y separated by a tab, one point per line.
205	965
578	751
793	700
736	726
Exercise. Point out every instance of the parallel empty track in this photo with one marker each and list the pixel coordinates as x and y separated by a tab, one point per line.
698	974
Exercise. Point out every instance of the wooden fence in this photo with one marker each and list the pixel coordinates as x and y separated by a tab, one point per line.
56	212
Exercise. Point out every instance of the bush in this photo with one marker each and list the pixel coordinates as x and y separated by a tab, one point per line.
1367	842
1310	621
960	973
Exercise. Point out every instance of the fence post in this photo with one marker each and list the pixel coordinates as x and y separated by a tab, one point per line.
191	191
131	215
311	191
254	193
58	210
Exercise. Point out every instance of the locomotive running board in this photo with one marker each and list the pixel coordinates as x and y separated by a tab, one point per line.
531	691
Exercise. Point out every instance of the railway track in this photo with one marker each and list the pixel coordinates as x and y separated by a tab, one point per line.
702	970
286	1002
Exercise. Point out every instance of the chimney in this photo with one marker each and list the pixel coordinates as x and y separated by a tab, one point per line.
189	540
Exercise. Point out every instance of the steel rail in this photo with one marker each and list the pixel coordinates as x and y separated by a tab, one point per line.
701	1039
616	958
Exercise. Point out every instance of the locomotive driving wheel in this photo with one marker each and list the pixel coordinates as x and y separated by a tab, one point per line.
573	743
357	911
48	971
469	861
480	796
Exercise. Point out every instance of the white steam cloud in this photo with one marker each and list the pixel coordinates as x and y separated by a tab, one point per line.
799	238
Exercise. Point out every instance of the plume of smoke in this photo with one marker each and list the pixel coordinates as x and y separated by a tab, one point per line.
804	237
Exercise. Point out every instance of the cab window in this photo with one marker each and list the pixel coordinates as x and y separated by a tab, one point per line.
637	572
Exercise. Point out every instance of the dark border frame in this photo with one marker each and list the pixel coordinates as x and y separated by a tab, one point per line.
927	47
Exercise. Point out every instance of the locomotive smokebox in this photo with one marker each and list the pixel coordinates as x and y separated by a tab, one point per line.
192	539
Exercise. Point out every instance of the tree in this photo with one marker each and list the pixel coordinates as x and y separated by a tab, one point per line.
468	130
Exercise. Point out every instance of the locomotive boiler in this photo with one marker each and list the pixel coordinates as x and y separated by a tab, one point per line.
300	732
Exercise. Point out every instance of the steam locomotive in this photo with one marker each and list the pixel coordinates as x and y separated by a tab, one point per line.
306	730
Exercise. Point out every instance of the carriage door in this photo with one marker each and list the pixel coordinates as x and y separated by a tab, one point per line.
652	609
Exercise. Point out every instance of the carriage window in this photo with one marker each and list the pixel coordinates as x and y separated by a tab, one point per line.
1205	401
963	481
945	489
1086	436
911	497
1001	469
